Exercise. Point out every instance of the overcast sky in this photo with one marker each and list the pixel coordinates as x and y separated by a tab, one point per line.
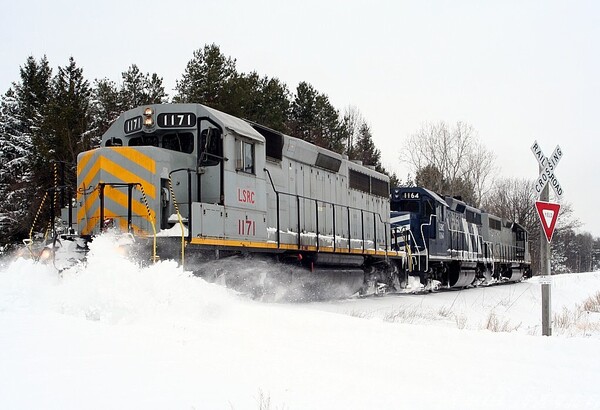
517	71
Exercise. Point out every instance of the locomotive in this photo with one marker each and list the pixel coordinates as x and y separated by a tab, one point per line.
202	184
456	244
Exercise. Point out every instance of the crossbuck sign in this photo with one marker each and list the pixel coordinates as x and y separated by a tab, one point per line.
548	165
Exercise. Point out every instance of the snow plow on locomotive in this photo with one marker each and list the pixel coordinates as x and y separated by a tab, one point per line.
195	184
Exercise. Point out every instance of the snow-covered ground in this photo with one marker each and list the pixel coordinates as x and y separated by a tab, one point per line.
111	334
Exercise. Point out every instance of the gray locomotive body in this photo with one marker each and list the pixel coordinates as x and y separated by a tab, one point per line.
224	186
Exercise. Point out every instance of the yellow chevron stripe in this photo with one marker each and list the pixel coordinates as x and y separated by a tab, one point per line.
93	220
118	171
127	176
134	155
118	196
82	212
85	158
121	221
87	179
137	209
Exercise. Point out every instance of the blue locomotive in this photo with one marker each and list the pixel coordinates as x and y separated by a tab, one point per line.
448	241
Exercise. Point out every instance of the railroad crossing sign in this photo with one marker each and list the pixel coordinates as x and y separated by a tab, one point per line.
548	213
548	165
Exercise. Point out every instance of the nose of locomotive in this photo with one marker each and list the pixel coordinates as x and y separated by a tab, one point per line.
116	184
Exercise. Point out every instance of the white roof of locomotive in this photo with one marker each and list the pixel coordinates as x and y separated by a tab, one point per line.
234	124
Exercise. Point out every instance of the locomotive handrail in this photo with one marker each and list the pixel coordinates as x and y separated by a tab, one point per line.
408	233
177	209
418	250
189	173
425	242
129	186
333	205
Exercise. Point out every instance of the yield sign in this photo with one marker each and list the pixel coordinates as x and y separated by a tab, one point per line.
548	213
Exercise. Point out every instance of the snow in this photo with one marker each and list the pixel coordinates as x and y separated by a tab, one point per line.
113	334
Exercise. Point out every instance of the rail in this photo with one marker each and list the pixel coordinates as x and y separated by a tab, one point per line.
333	205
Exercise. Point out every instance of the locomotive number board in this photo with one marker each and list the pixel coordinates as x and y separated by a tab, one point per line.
176	120
133	124
410	195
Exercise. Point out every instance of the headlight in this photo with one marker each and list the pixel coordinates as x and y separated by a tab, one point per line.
148	117
46	254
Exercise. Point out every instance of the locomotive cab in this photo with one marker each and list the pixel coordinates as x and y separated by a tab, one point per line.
186	159
418	221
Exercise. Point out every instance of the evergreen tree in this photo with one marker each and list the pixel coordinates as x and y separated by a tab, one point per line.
140	89
314	119
262	100
68	120
33	93
365	150
274	104
206	79
242	96
23	110
65	130
303	112
327	125
15	176
105	108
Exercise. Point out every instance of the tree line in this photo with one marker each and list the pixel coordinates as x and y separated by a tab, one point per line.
450	160
48	118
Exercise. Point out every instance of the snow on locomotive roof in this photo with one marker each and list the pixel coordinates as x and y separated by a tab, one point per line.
235	124
131	120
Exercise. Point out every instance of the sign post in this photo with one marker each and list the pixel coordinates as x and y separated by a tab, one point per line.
548	213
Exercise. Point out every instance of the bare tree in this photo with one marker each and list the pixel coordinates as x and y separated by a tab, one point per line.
351	124
452	154
514	199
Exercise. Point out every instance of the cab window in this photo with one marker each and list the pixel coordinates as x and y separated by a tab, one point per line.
145	140
211	147
179	141
245	157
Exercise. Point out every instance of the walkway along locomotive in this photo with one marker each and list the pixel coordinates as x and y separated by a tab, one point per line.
205	184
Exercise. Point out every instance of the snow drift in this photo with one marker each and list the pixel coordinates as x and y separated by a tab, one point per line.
113	334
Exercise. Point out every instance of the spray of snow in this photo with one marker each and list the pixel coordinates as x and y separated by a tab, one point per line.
112	288
267	281
112	333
